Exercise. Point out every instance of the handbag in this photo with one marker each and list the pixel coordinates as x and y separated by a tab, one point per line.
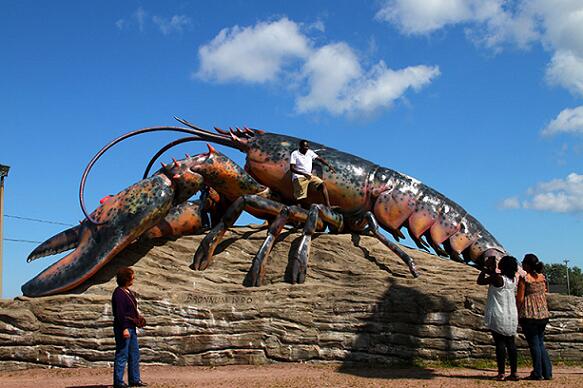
139	320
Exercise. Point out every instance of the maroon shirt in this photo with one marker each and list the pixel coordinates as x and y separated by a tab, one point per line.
125	309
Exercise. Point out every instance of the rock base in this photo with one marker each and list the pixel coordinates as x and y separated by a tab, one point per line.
359	304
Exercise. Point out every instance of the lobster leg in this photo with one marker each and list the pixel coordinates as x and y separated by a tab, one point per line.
374	228
266	208
255	204
435	245
258	267
451	252
300	260
203	255
417	240
316	214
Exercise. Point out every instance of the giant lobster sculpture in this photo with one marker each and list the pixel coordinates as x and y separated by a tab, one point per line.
364	196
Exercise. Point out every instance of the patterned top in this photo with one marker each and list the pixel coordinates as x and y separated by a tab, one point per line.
535	301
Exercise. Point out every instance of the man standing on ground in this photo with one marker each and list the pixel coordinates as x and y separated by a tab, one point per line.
301	168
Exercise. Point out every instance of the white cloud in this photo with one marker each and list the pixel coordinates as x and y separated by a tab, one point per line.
317	26
568	121
499	27
331	75
556	24
174	24
492	20
424	16
140	16
329	71
561	24
558	195
252	54
489	22
382	85
510	203
566	69
337	83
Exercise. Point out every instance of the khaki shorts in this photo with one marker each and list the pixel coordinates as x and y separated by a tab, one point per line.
302	184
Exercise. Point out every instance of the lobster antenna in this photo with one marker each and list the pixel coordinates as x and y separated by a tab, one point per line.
214	137
108	146
166	148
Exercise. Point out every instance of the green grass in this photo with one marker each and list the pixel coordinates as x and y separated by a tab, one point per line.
476	363
485	363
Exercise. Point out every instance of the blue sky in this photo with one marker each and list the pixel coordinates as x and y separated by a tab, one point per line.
481	100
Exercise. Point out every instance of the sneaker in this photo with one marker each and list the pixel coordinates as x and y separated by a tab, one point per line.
533	377
138	384
500	377
512	377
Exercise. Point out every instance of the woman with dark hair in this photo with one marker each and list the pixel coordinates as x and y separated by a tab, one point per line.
500	315
533	313
125	316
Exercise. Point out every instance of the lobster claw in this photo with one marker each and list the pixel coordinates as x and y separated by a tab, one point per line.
122	219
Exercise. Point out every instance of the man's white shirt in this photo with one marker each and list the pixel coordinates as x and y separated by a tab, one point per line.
303	162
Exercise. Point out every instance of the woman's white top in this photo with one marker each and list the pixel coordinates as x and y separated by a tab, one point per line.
501	314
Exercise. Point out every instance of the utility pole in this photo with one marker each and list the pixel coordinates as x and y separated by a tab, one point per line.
3	174
567	268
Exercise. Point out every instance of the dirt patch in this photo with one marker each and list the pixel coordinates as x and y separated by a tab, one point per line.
284	376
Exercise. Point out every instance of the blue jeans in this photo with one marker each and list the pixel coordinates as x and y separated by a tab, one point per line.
126	351
534	331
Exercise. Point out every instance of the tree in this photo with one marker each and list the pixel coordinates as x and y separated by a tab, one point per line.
557	277
576	281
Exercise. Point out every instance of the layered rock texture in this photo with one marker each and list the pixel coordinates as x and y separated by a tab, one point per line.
359	303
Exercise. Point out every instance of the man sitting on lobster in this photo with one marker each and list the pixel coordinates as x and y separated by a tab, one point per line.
301	168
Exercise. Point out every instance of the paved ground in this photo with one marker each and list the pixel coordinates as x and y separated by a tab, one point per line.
285	376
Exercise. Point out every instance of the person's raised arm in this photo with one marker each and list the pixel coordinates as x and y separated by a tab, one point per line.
483	279
486	279
325	162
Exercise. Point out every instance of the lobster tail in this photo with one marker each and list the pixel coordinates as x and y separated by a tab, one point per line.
428	214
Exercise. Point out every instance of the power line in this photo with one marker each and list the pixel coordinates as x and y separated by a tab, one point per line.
25	241
37	220
567	268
